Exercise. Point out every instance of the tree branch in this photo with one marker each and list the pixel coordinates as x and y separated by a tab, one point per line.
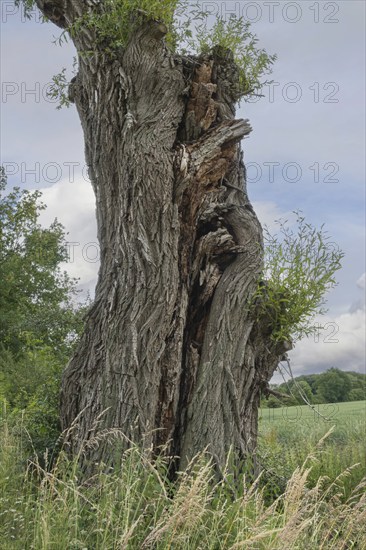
54	10
277	394
213	152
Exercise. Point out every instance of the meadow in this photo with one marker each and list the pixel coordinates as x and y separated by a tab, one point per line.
310	494
288	435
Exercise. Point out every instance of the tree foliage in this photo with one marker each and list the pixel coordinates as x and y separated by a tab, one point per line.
189	31
331	386
36	296
235	35
299	269
39	318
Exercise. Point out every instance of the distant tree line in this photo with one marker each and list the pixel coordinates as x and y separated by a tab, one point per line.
331	386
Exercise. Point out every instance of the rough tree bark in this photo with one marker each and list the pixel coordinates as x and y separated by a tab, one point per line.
172	354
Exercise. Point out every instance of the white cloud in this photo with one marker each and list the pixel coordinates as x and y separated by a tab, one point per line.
341	344
361	283
269	212
73	204
360	303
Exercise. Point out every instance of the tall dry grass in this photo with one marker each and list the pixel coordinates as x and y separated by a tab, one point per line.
135	506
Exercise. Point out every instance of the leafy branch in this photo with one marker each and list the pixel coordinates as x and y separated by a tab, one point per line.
299	269
58	90
235	35
188	33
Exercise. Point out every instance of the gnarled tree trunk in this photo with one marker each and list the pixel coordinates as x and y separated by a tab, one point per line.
172	354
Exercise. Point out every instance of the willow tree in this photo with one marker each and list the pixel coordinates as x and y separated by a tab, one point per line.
174	353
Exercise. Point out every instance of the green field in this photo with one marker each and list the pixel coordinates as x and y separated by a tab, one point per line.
333	413
289	435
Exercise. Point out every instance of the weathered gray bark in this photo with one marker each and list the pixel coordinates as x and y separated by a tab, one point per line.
172	353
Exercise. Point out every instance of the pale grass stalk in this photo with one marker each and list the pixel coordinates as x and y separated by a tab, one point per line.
50	480
348	519
294	491
250	493
325	436
188	506
123	542
45	535
260	536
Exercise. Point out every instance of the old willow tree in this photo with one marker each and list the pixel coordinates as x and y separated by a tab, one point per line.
174	354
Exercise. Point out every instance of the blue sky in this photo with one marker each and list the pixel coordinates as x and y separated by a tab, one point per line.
310	128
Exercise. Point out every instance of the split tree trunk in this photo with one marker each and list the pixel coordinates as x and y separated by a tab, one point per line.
172	354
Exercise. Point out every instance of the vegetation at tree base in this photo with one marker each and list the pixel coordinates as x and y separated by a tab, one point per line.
310	495
39	318
331	386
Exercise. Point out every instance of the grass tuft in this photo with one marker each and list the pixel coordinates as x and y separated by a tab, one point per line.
136	506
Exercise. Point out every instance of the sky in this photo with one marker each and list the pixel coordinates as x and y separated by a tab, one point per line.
306	151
